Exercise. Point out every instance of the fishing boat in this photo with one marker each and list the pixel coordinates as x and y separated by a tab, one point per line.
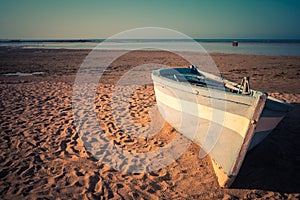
224	118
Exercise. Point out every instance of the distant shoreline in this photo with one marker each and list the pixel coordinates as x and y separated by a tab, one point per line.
245	46
147	40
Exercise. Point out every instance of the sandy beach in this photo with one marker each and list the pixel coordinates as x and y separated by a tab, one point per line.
43	157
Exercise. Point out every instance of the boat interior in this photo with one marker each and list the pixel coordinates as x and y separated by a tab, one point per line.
193	76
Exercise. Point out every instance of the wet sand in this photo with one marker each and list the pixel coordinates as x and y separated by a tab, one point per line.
42	155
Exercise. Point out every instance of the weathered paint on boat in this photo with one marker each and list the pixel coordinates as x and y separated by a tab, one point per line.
225	123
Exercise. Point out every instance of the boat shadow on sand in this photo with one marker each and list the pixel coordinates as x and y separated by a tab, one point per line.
275	163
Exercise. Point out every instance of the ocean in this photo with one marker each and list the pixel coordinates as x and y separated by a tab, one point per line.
245	46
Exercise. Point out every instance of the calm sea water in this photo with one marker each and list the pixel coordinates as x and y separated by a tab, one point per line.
254	47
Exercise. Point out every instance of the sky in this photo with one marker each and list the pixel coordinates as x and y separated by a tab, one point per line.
91	19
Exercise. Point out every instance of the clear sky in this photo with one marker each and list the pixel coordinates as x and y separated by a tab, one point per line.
66	19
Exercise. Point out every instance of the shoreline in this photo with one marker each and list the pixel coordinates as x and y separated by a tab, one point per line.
246	47
12	48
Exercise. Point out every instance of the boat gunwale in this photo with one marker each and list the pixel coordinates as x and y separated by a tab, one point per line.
156	77
286	107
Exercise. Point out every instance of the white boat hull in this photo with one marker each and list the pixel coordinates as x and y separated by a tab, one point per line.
225	126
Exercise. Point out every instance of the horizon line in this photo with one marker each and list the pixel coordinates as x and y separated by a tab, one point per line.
266	40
